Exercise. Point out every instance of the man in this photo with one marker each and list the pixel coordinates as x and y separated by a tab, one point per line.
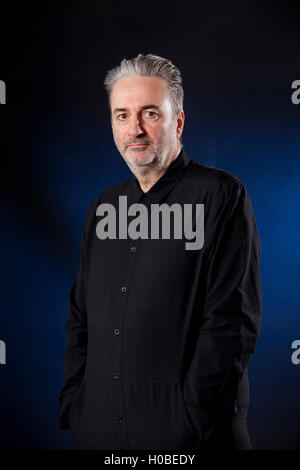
160	333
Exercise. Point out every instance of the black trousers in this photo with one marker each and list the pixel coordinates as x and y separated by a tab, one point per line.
233	435
230	437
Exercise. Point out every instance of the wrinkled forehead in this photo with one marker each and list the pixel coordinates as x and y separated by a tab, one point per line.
136	91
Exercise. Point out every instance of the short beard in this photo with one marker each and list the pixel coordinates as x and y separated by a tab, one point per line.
149	161
156	165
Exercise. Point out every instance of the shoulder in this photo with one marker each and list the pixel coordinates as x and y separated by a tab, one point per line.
212	177
221	190
214	183
107	195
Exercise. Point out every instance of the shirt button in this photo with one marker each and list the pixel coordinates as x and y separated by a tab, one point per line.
123	289
119	419
116	376
133	249
116	331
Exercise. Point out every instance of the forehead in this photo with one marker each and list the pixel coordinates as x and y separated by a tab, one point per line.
138	91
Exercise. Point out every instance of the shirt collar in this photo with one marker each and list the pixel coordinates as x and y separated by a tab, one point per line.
165	183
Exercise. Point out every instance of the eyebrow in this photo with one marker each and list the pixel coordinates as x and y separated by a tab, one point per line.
154	106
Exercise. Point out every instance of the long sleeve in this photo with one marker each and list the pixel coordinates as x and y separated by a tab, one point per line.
231	317
76	339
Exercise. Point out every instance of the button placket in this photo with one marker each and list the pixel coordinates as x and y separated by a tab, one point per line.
120	319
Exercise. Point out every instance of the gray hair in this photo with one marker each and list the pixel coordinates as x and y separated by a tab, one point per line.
149	65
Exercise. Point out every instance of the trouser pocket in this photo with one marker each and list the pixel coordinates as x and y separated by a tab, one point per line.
93	415
156	416
75	399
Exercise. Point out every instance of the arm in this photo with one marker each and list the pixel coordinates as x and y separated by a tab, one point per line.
76	339
231	316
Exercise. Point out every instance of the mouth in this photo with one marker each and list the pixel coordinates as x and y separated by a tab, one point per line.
137	145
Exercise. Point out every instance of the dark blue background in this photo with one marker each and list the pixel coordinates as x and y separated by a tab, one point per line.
238	60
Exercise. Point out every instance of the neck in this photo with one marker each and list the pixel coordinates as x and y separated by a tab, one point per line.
148	177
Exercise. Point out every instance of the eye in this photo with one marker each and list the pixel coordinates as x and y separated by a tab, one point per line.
119	116
152	115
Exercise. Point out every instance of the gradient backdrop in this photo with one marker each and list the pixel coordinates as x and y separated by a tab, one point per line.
238	61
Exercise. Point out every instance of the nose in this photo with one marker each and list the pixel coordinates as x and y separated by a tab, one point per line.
135	128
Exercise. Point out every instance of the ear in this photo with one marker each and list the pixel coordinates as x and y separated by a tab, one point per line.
180	124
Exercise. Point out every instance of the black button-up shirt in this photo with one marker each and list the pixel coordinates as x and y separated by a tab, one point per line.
159	337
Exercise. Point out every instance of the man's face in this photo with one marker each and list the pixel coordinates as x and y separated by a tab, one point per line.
145	129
